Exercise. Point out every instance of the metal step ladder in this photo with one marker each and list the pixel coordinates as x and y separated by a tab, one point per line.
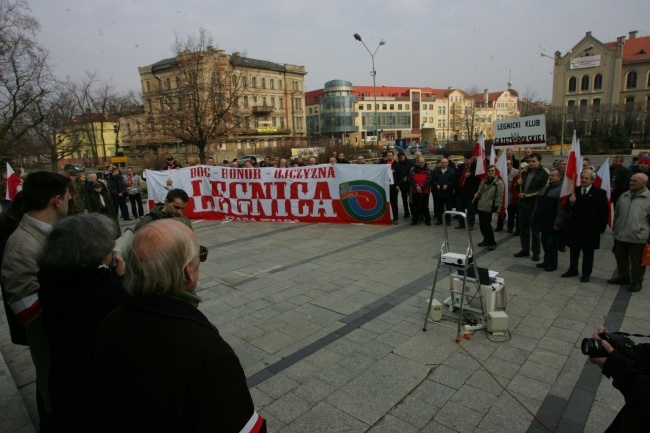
460	299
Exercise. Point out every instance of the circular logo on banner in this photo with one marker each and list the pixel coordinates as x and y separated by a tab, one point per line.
363	200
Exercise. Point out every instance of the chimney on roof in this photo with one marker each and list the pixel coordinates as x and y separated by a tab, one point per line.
633	34
486	97
588	33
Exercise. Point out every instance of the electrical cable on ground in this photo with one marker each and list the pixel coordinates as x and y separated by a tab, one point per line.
504	388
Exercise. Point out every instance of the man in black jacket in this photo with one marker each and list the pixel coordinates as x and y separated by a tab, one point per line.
532	179
618	176
442	185
403	168
588	209
118	189
158	364
466	186
631	376
549	219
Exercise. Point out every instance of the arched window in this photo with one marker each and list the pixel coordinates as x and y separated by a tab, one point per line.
631	80
598	82
168	83
254	82
271	84
263	83
584	82
280	84
234	80
572	84
148	86
244	81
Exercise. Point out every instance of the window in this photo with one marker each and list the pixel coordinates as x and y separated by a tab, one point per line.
584	82
280	84
572	84
360	107
596	104
168	83
272	101
271	84
583	105
571	105
253	82
263	99
368	107
384	106
234	80
439	110
407	107
216	77
178	81
399	106
392	107
244	81
598	82
246	101
281	104
439	123
263	83
148	84
629	100
631	80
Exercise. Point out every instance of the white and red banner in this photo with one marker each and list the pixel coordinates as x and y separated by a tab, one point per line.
603	182
529	131
479	153
337	193
573	170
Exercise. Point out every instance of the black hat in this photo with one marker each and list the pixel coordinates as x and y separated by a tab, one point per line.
72	172
97	185
170	158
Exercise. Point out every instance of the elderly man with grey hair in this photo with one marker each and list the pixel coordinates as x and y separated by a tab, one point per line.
78	288
158	349
589	211
631	231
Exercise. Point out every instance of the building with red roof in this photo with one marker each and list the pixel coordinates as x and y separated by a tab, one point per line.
416	114
598	73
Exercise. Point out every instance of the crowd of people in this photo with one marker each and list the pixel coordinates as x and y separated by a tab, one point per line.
118	344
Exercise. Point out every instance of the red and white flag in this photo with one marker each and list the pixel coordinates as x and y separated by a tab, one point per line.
573	169
493	157
603	181
502	173
479	153
10	172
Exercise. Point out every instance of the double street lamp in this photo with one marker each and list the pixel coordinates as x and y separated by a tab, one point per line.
374	82
556	59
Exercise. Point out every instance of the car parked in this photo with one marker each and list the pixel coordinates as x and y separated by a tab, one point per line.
418	147
245	158
75	166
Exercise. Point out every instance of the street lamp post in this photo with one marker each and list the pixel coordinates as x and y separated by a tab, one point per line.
374	83
564	66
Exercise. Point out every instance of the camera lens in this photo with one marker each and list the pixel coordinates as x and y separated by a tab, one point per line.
587	346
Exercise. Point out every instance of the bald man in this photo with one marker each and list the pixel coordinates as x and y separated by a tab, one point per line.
631	230
158	349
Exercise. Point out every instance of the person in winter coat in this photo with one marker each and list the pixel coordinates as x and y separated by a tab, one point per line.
76	292
403	169
490	200
588	209
632	232
100	202
118	189
420	181
549	219
466	187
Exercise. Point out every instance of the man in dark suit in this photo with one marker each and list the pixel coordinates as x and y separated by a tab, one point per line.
442	184
532	179
618	175
588	209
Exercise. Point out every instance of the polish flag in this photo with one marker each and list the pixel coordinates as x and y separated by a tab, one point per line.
493	157
573	169
602	181
502	173
10	172
479	153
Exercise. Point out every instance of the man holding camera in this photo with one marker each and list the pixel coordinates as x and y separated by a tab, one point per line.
629	367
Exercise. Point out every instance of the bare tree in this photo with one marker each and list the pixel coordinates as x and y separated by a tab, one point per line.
25	77
204	102
471	106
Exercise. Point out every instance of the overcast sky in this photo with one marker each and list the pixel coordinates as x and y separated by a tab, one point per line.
429	43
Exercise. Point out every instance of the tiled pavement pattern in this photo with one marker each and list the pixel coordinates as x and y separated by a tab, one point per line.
327	322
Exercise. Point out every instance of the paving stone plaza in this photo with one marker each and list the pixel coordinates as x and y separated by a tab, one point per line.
327	322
